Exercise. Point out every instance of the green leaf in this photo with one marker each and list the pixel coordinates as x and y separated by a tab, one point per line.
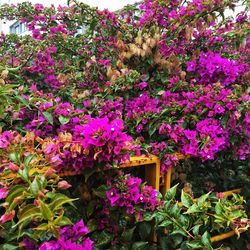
64	119
219	219
224	121
59	200
91	224
218	208
128	234
8	247
28	213
34	187
103	239
101	191
159	217
165	223
184	220
148	216
166	205
44	236
25	102
48	117
14	192
144	230
91	208
14	157
28	159
203	198
196	229
51	195
42	227
236	196
164	243
89	172
13	237
93	24
206	240
64	222
171	193
138	121
175	210
45	210
178	239
57	220
193	209
195	118
184	245
152	129
233	139
24	175
195	244
186	199
140	245
179	231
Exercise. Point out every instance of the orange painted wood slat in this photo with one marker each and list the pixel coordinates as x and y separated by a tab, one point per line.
222	236
151	164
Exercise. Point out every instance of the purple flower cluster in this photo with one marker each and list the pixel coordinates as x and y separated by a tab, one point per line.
82	140
212	139
161	149
142	106
98	140
168	161
242	17
5	139
104	140
243	151
39	23
205	141
189	69
149	7
45	65
213	68
71	237
112	109
42	127
127	191
154	11
39	126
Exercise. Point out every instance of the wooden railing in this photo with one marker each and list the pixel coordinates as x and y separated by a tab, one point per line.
151	164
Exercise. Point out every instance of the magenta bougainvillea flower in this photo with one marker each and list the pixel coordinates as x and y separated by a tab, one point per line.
71	237
3	192
103	139
128	192
5	139
162	79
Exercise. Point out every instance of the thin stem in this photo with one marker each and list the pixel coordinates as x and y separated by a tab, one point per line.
177	224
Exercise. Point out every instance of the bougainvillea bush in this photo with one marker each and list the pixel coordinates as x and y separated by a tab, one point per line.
86	89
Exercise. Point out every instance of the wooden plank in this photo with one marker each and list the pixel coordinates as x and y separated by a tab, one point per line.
151	164
152	175
222	236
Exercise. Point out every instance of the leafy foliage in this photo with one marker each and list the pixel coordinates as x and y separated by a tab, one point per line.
160	77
